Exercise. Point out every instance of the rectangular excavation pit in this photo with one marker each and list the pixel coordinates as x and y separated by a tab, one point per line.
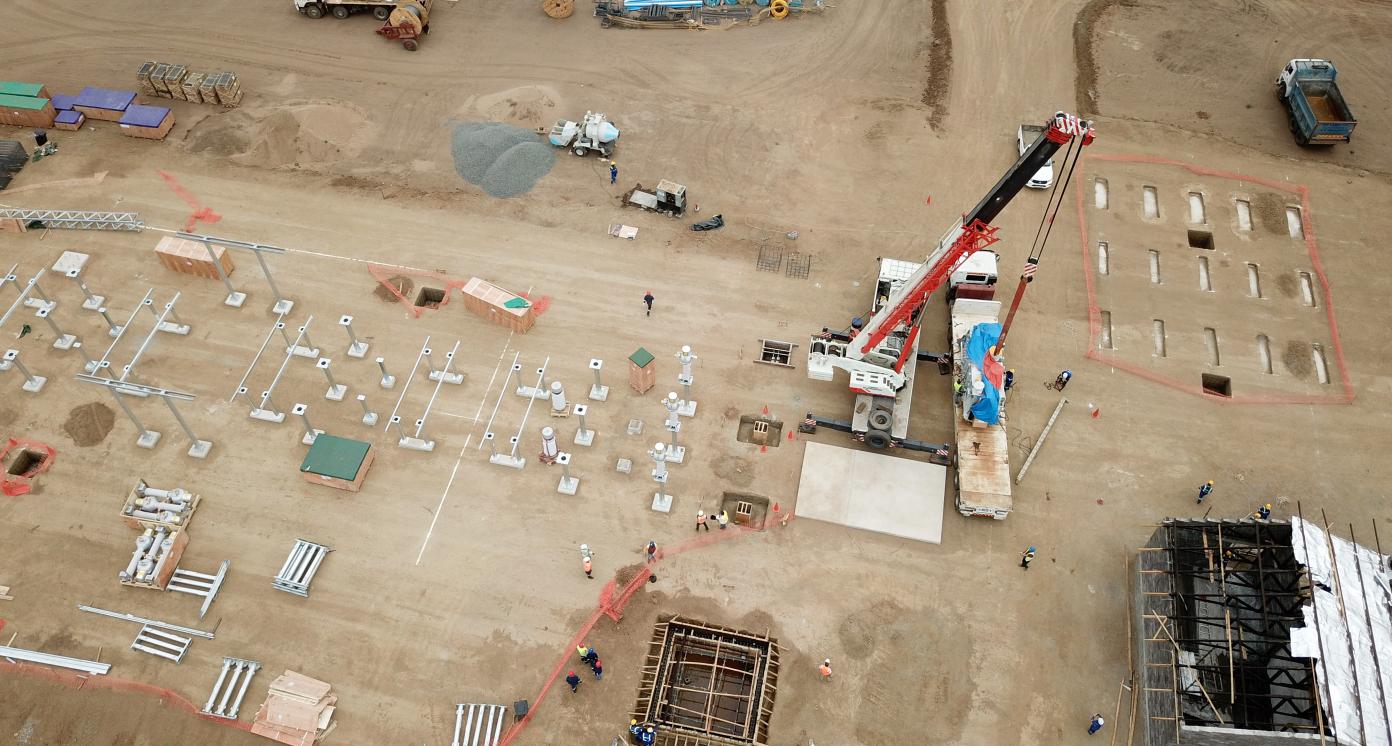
1104	259
1253	281
26	462
1158	332
1264	352
774	352
1099	194
745	508
1107	331
760	431
1201	240
1321	364
1205	279
1150	203
430	297
1155	266
1294	225
1307	289
705	684
1217	385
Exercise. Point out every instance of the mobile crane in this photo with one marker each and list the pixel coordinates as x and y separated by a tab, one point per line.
881	353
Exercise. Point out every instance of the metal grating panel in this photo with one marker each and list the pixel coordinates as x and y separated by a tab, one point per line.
158	642
770	259
299	568
799	265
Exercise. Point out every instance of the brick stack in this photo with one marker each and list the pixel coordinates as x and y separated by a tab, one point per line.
176	81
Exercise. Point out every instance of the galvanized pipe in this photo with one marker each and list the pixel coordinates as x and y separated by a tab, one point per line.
251	669
227	693
147	622
458	720
280	320
226	664
123	329
61	661
449	360
288	355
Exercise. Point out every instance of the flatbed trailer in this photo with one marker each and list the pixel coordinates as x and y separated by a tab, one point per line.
982	473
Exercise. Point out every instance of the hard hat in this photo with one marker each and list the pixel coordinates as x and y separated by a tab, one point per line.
1031	549
570	672
611	163
826	662
650	729
700	513
1268	506
1210	481
633	721
584	546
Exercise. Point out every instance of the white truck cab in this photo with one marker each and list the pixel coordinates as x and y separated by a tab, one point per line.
1025	137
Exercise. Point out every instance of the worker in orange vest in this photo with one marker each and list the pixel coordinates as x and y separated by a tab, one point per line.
589	569
701	521
825	669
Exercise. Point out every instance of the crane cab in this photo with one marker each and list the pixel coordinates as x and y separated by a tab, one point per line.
974	278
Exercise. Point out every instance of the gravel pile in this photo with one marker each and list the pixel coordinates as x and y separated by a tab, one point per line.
503	160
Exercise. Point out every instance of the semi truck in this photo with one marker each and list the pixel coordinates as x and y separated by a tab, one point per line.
880	353
1315	107
380	9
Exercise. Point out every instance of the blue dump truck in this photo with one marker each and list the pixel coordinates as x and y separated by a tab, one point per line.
1310	93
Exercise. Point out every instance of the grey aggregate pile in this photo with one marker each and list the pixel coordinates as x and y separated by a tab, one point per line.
503	160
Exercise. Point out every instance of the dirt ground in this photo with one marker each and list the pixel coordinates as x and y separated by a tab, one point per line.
453	580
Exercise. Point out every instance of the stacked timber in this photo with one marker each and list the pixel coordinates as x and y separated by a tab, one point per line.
498	305
178	82
298	711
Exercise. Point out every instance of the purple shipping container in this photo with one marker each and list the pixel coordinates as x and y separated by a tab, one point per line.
102	98
144	116
63	103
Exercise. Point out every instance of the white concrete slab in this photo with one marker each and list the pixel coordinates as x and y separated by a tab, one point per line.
861	489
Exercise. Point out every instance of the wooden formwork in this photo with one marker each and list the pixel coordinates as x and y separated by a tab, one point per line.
672	642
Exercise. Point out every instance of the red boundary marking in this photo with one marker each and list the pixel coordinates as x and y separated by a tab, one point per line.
74	680
1311	247
200	212
614	609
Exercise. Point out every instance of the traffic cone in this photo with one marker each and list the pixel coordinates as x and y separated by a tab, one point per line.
762	449
775	507
1096	412
790	435
765	409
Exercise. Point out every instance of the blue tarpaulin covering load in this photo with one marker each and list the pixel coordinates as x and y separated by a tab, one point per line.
979	343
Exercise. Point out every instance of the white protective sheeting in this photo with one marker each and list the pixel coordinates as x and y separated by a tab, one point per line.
1352	641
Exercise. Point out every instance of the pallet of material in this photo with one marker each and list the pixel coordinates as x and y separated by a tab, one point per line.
32	90
167	564
69	120
149	122
191	257
142	78
62	102
26	111
498	305
133	501
156	79
191	85
174	80
103	103
298	710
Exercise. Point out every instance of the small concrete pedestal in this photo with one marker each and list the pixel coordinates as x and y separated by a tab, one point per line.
662	502
200	449
234	299
148	439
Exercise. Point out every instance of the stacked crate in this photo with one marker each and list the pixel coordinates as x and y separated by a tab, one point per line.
176	81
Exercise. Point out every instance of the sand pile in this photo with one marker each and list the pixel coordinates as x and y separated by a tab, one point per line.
306	134
503	160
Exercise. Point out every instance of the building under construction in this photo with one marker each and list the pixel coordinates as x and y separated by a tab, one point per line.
1259	632
705	685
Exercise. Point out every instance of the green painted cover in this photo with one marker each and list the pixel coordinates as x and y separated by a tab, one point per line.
11	101
332	456
20	89
641	358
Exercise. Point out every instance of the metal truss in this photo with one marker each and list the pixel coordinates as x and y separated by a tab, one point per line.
78	219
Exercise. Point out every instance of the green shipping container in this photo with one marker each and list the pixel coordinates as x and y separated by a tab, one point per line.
12	101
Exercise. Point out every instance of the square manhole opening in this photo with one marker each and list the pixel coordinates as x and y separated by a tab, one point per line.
759	430
705	681
26	463
745	509
430	297
1201	240
1217	385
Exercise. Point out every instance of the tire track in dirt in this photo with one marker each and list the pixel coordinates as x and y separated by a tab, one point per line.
1085	98
939	69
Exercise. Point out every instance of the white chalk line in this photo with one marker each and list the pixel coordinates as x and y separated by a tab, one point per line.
443	495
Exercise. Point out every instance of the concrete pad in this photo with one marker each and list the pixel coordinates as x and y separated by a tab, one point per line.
871	491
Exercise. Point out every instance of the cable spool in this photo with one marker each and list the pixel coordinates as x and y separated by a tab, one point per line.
407	16
779	9
558	9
